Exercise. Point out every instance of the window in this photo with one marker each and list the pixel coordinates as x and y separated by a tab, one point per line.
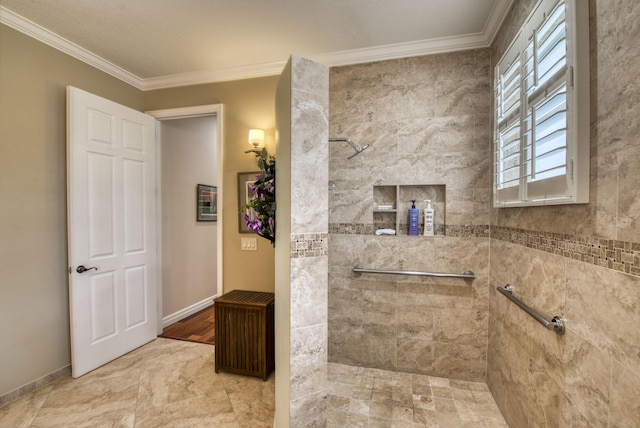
541	154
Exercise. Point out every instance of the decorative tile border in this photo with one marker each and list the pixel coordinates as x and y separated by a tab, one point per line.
451	231
622	256
309	245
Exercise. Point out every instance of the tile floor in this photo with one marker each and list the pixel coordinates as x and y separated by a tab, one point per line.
166	383
363	397
170	383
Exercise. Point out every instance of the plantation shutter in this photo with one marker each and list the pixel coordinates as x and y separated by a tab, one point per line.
546	75
541	146
508	97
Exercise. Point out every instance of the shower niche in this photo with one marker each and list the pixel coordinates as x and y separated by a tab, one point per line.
392	203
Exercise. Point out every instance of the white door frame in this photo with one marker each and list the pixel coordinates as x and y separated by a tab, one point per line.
183	113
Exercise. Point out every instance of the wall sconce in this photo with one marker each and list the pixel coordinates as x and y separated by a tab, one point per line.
256	138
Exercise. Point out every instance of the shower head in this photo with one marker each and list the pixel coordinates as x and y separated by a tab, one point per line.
358	151
355	147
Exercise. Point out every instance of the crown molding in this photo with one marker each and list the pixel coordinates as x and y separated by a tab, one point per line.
212	76
35	31
346	57
496	18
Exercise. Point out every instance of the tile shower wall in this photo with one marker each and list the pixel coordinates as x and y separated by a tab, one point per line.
427	121
582	262
308	260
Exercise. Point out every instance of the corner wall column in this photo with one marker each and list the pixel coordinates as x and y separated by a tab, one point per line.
301	288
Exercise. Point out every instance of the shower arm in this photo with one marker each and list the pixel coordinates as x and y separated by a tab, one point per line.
355	147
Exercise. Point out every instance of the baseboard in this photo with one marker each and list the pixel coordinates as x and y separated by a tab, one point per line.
189	310
12	396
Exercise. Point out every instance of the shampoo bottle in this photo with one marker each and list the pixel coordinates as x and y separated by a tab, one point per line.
414	219
428	219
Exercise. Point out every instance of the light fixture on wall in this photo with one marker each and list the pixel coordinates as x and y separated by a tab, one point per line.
256	138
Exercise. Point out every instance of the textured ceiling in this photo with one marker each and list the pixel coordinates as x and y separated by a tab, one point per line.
155	38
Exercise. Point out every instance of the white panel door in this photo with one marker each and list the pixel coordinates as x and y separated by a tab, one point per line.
111	198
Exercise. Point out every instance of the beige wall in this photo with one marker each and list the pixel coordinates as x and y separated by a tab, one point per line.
247	104
578	261
189	247
34	320
33	251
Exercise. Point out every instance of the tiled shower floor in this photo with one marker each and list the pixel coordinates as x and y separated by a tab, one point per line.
364	397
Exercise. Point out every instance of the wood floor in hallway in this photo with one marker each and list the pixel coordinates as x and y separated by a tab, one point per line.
199	327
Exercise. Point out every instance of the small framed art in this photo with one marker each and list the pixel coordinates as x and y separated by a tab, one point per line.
207	203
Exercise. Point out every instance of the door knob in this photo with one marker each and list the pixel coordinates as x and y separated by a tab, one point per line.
82	269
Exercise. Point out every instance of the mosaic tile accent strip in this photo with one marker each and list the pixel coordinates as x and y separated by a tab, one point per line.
452	231
309	245
622	256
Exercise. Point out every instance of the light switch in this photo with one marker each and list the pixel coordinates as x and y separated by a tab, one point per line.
248	244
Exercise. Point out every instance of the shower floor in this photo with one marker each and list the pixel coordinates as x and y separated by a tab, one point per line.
365	397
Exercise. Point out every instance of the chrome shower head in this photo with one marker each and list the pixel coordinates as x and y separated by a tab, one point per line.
355	147
358	151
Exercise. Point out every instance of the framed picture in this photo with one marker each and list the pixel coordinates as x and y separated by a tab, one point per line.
245	179
207	203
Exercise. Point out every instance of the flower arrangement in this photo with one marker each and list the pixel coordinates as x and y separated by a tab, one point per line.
263	202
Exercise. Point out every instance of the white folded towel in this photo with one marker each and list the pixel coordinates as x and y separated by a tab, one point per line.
385	232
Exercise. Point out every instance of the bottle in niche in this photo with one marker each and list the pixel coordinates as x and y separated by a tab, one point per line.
414	219
428	218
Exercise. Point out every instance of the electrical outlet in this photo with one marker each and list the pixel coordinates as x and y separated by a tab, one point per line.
248	244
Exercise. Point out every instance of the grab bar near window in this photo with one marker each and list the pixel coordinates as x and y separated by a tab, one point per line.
556	324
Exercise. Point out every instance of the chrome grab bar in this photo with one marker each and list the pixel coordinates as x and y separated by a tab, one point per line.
556	324
466	274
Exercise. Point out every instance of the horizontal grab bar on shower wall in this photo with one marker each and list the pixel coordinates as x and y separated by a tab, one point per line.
556	324
466	274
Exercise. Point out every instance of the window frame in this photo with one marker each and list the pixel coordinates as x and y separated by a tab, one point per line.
572	185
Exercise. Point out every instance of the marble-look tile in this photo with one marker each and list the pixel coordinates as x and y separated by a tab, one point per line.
308	367
414	322
351	206
373	74
482	67
435	134
415	356
628	198
616	32
22	412
584	376
169	389
464	362
460	326
164	383
309	291
602	306
541	281
309	76
603	194
471	169
615	130
455	97
309	411
625	397
309	134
